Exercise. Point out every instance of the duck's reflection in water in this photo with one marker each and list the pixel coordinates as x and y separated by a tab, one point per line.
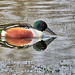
37	43
42	45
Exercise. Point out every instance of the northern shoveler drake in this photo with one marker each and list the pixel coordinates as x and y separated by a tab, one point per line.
25	30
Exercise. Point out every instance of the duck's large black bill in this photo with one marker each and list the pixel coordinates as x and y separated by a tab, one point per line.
50	31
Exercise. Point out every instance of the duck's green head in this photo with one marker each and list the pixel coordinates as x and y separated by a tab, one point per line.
42	26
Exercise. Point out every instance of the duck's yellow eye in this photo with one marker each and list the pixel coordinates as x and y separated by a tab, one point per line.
43	24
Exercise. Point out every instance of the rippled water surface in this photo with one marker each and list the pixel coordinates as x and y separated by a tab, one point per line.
59	56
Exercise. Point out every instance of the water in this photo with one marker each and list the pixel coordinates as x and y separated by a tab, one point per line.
59	56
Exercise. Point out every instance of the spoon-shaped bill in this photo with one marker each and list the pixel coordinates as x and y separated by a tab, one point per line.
50	31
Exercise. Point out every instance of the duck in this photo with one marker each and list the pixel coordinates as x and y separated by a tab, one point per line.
25	30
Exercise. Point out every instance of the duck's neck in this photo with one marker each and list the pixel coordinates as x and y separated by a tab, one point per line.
36	33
